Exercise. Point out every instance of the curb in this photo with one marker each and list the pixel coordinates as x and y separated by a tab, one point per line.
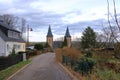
18	71
69	73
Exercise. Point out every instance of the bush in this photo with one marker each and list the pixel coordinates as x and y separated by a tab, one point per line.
117	50
106	75
13	52
89	54
71	55
67	55
21	52
58	54
38	46
85	66
30	53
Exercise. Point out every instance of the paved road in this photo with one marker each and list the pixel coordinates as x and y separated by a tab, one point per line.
43	67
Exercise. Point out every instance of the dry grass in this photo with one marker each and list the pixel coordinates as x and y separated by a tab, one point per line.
58	54
72	53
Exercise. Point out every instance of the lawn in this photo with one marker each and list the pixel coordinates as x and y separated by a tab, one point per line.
4	74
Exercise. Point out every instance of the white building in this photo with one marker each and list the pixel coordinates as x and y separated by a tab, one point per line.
9	39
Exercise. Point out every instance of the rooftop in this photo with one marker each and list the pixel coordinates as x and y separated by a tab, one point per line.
49	34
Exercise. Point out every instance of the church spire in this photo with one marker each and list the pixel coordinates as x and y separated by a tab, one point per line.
67	34
49	34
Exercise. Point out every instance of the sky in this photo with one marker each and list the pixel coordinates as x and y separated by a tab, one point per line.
59	14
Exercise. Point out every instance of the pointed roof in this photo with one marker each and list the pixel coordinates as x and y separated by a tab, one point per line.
49	34
67	34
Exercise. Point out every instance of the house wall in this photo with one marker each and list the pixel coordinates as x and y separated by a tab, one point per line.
2	47
18	47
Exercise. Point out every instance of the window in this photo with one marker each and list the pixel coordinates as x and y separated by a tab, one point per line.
10	34
7	47
23	46
15	46
19	46
13	34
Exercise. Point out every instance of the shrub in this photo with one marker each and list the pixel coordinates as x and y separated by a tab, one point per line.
58	54
21	52
117	50
89	54
84	66
67	55
71	55
38	46
30	53
106	75
103	55
13	52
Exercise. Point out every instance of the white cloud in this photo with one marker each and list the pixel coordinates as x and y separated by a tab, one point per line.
58	13
76	35
37	36
58	6
6	1
92	14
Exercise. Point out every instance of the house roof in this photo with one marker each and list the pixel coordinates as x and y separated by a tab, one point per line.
6	26
67	34
5	37
49	34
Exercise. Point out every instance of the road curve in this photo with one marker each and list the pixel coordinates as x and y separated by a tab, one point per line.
43	67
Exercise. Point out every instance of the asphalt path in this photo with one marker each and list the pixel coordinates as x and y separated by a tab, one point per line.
42	67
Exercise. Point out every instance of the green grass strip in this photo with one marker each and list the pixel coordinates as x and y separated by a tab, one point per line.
4	74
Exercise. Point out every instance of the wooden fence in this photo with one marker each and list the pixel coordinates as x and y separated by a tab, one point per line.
6	62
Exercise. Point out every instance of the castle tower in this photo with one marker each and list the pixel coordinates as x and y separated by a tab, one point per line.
68	38
50	38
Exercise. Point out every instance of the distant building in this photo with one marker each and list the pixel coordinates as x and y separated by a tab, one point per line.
58	44
50	38
9	39
68	38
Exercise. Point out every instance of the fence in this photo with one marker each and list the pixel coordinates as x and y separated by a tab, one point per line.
6	62
68	61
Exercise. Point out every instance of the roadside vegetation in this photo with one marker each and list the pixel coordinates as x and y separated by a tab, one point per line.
38	48
90	61
4	74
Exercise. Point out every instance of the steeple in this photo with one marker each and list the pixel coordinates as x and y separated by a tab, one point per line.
67	39
67	34
49	34
49	38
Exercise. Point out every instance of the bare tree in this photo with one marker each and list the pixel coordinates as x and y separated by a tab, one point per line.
115	15
110	36
10	20
116	29
23	28
60	39
15	22
113	29
114	19
101	39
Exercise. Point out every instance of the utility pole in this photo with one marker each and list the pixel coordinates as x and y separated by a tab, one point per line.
27	36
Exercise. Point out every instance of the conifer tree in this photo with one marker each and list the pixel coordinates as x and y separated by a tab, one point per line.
88	39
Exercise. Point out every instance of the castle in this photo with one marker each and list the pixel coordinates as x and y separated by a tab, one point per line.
51	43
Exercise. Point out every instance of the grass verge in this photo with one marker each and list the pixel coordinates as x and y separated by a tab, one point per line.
4	74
